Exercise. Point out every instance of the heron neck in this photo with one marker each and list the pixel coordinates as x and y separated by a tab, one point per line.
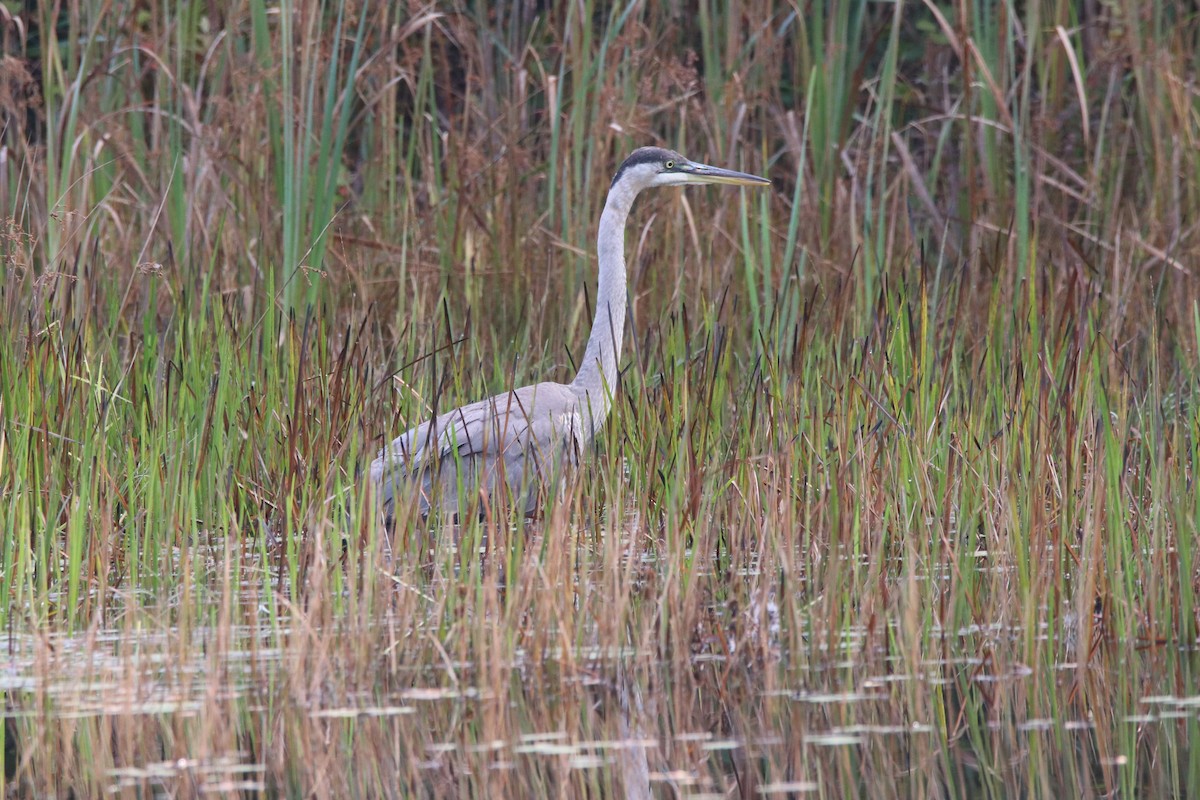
597	378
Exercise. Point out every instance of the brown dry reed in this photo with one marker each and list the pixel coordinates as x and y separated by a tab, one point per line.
899	497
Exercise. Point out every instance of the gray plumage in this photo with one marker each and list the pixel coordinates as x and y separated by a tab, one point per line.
514	440
519	441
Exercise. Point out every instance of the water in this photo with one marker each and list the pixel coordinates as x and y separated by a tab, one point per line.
392	699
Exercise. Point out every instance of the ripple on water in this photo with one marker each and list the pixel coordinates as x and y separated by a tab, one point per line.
788	787
227	774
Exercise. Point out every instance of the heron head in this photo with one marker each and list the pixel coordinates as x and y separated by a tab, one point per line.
655	166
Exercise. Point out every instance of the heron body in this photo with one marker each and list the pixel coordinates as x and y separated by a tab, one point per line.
517	441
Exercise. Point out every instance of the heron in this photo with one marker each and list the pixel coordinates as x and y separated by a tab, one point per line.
517	441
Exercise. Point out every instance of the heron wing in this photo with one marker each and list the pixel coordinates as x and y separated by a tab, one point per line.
523	428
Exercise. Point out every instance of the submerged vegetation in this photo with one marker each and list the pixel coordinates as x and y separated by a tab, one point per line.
898	498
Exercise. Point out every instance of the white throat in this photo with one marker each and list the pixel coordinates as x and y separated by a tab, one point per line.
597	379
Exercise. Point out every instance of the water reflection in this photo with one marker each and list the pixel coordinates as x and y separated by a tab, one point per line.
585	715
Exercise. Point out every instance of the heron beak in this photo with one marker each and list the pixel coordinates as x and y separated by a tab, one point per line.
703	173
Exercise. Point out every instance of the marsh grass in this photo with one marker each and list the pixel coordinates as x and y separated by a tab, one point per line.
898	500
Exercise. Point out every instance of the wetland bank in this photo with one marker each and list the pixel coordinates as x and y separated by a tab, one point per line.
897	498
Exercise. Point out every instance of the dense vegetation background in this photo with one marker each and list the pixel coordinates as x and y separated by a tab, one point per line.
899	498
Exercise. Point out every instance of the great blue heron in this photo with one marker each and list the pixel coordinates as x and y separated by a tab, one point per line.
515	441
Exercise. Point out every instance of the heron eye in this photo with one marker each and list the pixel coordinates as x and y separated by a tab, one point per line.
670	165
